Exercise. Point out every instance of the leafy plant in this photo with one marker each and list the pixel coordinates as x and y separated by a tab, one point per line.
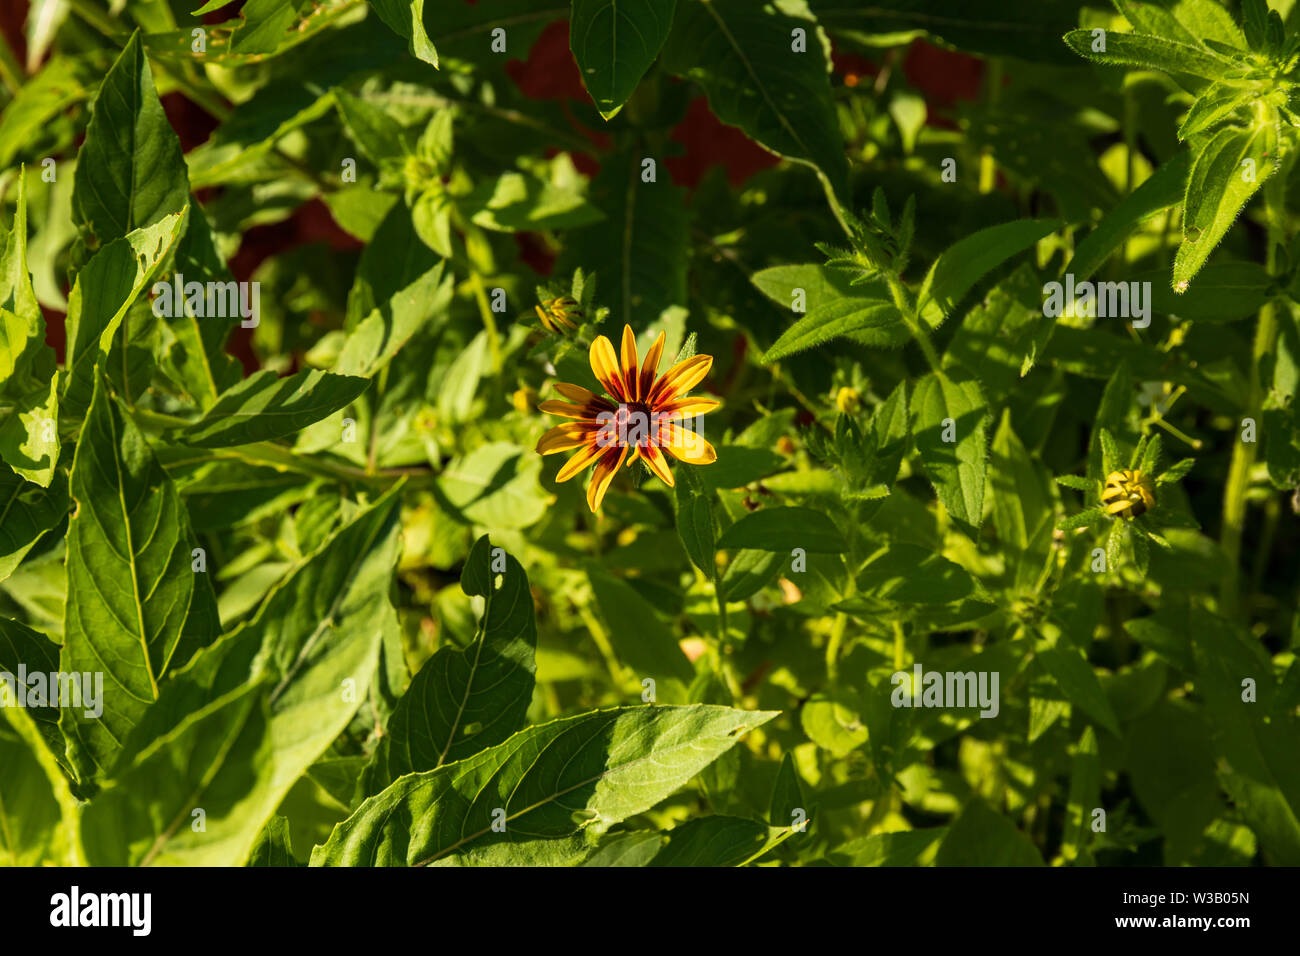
288	297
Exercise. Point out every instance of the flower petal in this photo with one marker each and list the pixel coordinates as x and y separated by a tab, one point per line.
681	378
628	364
685	445
687	407
578	462
603	475
649	367
605	364
658	464
583	396
566	409
565	437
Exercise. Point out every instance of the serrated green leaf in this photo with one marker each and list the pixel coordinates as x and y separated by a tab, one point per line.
1218	188
137	609
103	295
547	784
263	407
232	732
130	172
942	404
466	699
29	511
1152	52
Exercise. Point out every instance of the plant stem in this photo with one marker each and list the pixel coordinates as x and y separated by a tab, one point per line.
1244	453
912	319
489	323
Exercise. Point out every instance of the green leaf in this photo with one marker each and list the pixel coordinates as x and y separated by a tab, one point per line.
234	730
262	407
21	646
741	54
376	133
943	405
614	42
1163	189
968	260
890	424
1085	795
1187	21
832	722
406	19
1000	339
981	837
901	848
1078	682
1024	29
788	798
1218	188
274	846
1157	53
494	486
130	172
548	785
105	290
910	574
1213	106
749	571
62	83
1117	543
641	641
718	841
1221	292
639	251
195	357
827	294
421	305
851	318
782	529
695	524
1022	504
39	816
26	362
27	512
514	202
1256	741
136	609
466	699
629	848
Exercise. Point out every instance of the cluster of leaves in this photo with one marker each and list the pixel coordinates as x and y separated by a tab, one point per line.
342	611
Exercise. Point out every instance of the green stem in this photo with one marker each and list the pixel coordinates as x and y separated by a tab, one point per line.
1244	453
726	665
489	323
913	320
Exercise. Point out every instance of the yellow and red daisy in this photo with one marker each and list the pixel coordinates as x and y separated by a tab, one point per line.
641	418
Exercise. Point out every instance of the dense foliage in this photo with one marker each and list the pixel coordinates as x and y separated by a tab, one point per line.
652	432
